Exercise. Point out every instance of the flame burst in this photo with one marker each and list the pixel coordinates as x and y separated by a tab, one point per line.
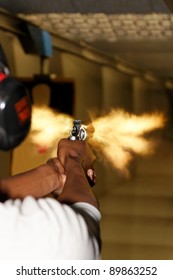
117	135
48	127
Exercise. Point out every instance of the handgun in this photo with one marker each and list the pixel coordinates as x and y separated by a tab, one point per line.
78	131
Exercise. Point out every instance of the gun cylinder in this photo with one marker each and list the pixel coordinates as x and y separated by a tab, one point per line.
78	132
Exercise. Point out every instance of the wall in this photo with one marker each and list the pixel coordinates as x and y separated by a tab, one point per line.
149	98
88	84
97	88
117	90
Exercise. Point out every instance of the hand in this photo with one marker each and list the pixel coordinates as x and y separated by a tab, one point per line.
38	182
60	175
79	151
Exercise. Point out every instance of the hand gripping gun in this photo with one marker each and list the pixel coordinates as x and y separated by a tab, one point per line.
78	132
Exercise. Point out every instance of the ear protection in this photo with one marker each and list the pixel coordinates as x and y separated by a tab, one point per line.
15	112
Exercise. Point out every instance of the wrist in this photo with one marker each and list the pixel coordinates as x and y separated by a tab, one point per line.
53	179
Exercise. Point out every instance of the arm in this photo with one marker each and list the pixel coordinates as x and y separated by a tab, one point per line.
37	182
78	160
81	219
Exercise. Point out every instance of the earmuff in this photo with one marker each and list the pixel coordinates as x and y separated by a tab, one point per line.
15	112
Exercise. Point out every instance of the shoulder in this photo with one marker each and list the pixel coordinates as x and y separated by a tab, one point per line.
30	207
45	228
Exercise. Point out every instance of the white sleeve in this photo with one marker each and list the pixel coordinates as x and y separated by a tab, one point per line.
47	229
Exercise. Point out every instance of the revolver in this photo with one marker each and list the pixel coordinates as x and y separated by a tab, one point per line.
78	131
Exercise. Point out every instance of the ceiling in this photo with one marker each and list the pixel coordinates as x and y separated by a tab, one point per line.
138	32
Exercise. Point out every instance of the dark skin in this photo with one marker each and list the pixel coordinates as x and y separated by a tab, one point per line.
78	160
66	176
37	182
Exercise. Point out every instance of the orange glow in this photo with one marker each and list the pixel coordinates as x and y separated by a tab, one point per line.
48	127
117	135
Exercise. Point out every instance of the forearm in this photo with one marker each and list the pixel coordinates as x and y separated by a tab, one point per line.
77	187
37	182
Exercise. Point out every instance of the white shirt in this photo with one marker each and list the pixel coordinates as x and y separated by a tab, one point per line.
47	229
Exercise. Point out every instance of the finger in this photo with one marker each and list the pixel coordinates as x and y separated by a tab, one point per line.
91	175
61	152
58	190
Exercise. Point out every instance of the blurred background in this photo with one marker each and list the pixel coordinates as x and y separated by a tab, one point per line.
79	56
